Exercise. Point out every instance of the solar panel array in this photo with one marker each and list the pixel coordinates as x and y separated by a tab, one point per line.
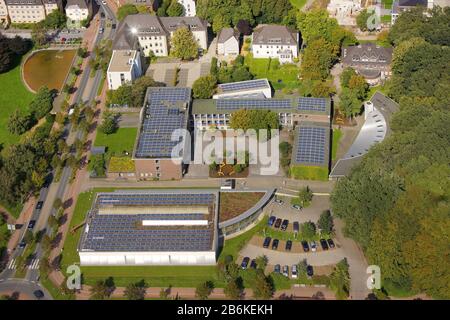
244	85
124	232
155	199
312	104
236	104
162	117
311	145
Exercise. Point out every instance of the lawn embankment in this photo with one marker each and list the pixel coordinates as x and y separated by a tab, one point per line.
337	135
309	173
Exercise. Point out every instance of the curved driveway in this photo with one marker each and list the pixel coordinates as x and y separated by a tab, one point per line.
24	288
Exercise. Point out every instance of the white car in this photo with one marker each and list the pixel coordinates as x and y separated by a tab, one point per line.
104	2
313	246
286	271
294	273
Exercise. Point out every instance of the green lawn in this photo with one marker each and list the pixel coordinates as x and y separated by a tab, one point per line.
309	173
13	96
4	236
280	76
387	3
298	3
337	135
122	140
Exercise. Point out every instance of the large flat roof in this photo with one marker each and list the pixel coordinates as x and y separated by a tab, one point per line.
151	221
166	110
311	144
302	105
120	60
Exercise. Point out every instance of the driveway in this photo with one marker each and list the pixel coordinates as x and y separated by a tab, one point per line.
24	289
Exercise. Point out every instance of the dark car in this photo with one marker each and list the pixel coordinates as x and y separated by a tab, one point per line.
22	244
278	223
102	15
31	224
309	271
39	205
38	294
305	246
277	268
296	226
113	26
284	225
271	220
324	244
253	264
245	262
275	244
331	243
288	245
266	242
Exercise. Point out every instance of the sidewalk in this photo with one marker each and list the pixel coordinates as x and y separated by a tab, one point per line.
24	217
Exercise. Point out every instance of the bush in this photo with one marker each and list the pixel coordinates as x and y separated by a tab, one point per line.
204	87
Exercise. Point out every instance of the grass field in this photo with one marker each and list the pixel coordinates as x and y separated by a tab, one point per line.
387	3
337	135
280	76
309	173
298	3
122	140
13	96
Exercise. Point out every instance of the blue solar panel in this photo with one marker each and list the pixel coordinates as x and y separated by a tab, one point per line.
244	85
311	145
265	104
312	104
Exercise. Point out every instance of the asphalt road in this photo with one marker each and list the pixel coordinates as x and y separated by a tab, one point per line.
30	283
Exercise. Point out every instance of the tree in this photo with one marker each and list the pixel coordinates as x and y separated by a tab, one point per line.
6	55
308	230
204	87
138	90
184	45
57	204
126	10
100	291
42	103
317	60
363	20
340	280
203	290
254	119
122	96
349	103
302	268
322	89
54	20
175	9
164	293
232	290
135	291
261	262
262	287
305	196
241	74
325	222
244	27
39	35
359	86
19	123
346	75
109	124
220	22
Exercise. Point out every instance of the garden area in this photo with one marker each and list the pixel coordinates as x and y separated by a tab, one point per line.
232	204
337	135
298	3
280	76
118	142
309	173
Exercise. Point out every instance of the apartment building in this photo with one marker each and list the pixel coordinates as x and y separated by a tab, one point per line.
78	10
274	41
3	13
124	67
153	33
30	11
189	7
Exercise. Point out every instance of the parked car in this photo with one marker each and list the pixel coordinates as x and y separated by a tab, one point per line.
113	26
296	207
38	294
39	205
294	273
22	244
279	201
284	225
286	271
104	2
288	245
277	268
331	243
31	224
309	271
245	262
296	226
313	246
271	221
278	223
102	14
305	246
324	244
253	264
275	244
101	30
266	242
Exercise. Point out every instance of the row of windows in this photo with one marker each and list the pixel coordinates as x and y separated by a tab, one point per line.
151	38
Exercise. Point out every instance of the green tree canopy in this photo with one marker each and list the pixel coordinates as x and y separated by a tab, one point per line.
126	10
204	87
184	45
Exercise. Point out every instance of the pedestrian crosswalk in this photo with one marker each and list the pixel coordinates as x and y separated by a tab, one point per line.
32	265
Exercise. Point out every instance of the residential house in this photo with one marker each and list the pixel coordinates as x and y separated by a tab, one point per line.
274	41
370	60
78	10
400	6
3	13
228	42
189	7
50	6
